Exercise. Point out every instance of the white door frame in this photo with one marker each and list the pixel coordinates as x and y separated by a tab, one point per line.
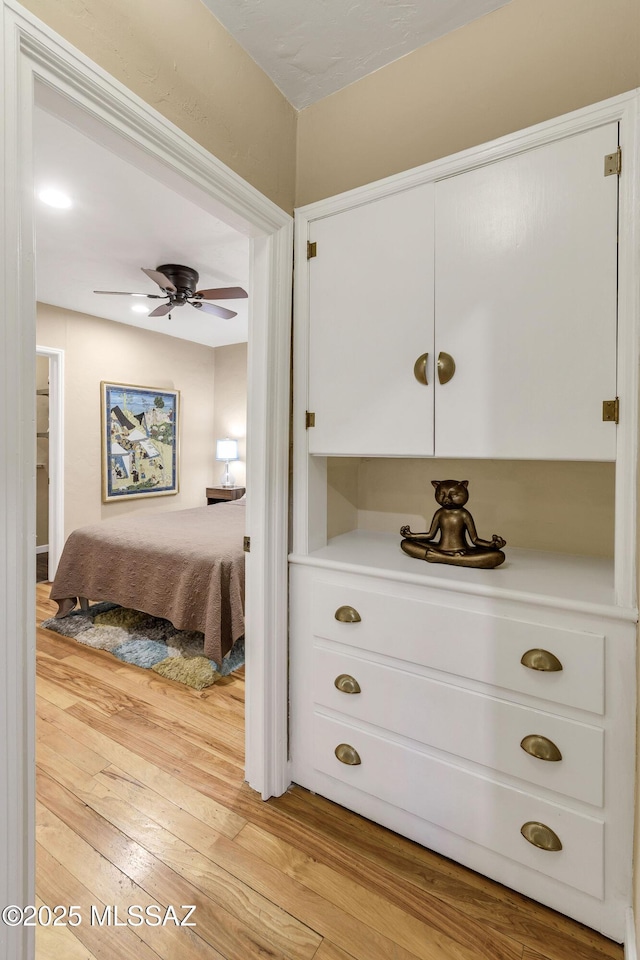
56	454
34	53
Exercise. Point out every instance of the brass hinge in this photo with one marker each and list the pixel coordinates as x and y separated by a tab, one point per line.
613	163
310	420
246	544
611	410
311	249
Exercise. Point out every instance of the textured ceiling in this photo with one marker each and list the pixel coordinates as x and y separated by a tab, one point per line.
311	48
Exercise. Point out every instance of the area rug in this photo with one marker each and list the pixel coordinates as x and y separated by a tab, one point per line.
148	642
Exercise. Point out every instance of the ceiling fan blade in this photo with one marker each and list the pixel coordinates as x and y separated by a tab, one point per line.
215	310
223	293
160	279
121	293
162	310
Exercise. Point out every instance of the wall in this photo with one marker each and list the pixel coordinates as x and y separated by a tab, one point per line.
526	62
177	57
96	350
230	407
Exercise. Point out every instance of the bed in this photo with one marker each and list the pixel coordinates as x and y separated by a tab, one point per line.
186	566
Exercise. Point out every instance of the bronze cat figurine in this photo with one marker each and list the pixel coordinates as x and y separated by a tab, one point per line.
454	524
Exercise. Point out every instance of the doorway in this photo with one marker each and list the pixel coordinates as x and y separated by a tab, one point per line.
49	456
42	468
36	55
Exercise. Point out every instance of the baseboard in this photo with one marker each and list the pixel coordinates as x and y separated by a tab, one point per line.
43	549
630	943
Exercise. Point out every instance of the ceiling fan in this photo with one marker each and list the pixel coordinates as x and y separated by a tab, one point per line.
178	285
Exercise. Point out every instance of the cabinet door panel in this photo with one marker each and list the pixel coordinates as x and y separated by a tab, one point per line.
371	317
526	273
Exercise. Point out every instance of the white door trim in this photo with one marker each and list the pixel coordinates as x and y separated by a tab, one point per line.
32	52
56	454
630	941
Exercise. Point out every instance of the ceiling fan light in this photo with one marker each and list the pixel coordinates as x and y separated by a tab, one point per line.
55	198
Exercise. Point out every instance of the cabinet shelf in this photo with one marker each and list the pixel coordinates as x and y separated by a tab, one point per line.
564	581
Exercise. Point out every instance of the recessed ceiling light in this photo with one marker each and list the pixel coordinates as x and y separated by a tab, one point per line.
55	198
140	308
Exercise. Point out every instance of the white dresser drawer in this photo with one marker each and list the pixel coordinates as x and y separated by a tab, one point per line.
480	728
466	643
485	812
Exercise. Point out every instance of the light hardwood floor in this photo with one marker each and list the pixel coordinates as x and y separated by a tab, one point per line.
141	801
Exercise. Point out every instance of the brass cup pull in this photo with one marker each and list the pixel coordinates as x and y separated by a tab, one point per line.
541	660
420	369
347	615
347	684
540	747
446	367
541	836
347	754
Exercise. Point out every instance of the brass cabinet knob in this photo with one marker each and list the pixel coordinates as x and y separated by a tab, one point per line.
347	754
446	367
541	660
540	835
540	747
347	684
420	369
347	615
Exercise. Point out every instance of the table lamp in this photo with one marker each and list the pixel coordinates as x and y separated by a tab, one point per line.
227	450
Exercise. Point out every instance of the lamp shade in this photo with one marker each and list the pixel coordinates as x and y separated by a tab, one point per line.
226	449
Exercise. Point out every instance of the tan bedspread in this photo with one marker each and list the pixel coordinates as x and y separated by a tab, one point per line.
184	565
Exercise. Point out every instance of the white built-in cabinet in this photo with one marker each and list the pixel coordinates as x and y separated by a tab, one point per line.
371	317
487	714
510	270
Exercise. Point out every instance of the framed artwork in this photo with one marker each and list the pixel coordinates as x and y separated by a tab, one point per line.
139	441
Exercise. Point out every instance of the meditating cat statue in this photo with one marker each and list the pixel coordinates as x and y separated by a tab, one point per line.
454	523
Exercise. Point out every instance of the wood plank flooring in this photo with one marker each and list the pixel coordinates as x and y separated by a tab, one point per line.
141	803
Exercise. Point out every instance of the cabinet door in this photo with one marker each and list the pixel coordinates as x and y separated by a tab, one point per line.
526	258
371	318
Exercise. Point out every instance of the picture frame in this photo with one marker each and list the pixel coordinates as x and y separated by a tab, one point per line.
140	434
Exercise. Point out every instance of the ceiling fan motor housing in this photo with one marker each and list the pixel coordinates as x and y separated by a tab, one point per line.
184	279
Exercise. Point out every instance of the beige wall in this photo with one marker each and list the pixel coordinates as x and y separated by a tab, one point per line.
526	62
180	60
98	350
230	407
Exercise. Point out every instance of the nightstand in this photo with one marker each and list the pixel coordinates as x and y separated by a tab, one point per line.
220	494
